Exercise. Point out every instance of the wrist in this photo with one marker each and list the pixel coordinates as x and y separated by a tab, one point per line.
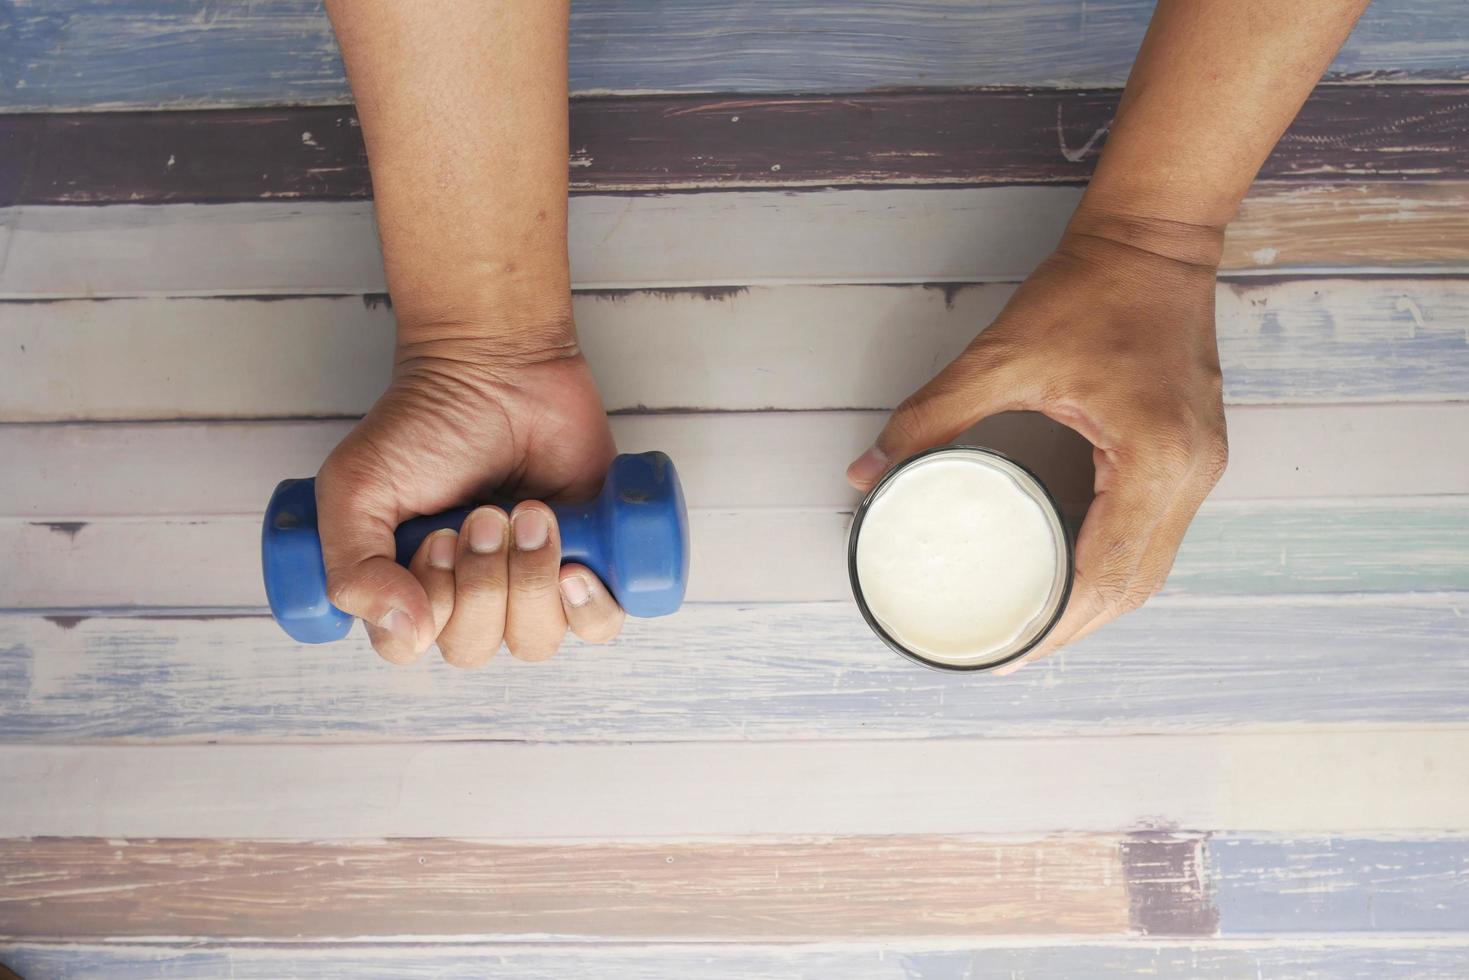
1191	242
488	344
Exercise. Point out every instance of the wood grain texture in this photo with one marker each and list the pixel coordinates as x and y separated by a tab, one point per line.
724	141
1342	958
89	54
730	673
855	887
709	239
1303	782
1390	885
755	348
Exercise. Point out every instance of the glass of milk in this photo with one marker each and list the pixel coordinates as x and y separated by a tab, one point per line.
959	559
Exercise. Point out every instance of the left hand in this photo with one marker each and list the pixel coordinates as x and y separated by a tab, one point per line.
1113	335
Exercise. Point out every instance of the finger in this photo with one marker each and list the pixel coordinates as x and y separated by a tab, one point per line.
356	517
590	609
974	386
433	566
535	620
1131	501
477	627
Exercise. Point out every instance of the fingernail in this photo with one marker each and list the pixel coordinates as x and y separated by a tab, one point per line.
441	548
400	627
486	532
868	467
576	590
530	529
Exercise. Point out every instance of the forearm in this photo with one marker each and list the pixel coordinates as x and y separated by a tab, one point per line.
1215	85
463	106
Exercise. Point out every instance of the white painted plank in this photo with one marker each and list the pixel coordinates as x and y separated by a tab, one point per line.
1343	781
726	672
731	238
790	347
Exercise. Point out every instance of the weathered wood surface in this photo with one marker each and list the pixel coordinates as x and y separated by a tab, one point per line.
744	349
1342	958
1264	885
1347	782
70	54
726	141
724	672
710	239
796	890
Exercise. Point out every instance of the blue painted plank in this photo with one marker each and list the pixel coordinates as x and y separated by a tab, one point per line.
888	961
69	54
715	672
1347	885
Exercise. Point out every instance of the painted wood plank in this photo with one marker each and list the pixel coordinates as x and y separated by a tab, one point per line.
714	238
86	54
901	959
685	142
852	887
1348	782
724	672
1266	885
727	461
761	347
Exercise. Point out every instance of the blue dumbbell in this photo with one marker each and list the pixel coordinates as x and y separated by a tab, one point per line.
635	536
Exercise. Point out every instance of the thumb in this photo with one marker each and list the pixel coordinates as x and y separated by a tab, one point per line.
356	522
972	387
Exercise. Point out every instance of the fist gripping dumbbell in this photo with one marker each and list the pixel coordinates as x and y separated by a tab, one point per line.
634	536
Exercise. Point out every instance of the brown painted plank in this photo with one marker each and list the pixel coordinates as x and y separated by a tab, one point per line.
833	888
721	141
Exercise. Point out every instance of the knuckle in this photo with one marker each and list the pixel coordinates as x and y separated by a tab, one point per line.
534	582
458	653
542	646
479	589
910	420
1174	449
1214	457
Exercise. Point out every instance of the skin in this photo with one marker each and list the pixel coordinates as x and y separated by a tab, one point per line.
1113	335
463	109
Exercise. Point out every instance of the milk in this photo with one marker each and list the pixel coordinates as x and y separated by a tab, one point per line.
961	557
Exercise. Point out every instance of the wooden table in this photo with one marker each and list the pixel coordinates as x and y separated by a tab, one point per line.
1260	774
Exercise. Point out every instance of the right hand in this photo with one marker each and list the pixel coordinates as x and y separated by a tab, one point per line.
460	423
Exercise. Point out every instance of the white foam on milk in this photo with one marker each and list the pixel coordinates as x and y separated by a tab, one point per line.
956	559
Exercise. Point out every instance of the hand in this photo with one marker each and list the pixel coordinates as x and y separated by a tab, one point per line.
1113	335
460	424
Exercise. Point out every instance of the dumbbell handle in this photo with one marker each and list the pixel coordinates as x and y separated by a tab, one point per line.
577	524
